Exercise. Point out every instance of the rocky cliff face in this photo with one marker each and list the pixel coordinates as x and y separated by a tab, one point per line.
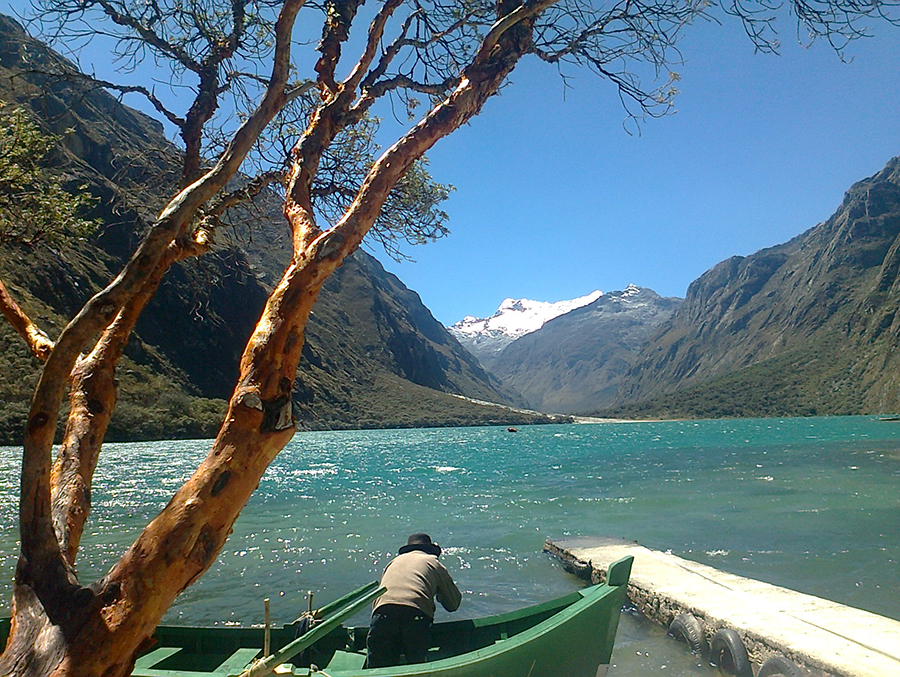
374	354
574	362
809	326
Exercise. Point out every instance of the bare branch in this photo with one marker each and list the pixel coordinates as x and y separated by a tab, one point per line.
298	90
38	342
610	41
149	36
134	89
376	31
392	50
340	15
244	194
376	85
526	10
404	82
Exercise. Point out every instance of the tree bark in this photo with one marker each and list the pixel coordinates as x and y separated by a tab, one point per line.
93	394
55	621
38	342
62	629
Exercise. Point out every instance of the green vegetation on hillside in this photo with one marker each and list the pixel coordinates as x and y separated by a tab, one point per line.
809	381
367	332
34	205
809	327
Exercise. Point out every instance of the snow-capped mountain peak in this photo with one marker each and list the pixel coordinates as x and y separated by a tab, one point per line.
514	319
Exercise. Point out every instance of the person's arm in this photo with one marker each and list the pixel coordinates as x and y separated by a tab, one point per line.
447	593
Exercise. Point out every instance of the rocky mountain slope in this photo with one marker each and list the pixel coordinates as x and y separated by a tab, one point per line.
374	355
806	327
487	337
575	361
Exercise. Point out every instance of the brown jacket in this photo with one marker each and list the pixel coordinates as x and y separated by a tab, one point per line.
415	579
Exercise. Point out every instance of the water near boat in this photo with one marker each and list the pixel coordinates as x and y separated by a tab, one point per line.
809	504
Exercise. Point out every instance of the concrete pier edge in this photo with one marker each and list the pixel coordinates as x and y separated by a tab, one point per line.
824	638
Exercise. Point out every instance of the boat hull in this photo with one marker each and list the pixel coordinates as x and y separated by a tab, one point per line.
571	636
576	642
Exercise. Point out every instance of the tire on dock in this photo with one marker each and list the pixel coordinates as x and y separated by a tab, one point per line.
778	666
686	628
727	652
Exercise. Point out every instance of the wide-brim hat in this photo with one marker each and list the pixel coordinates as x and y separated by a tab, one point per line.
421	542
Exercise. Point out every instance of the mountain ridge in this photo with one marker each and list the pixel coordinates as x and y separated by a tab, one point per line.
806	327
573	363
183	357
487	337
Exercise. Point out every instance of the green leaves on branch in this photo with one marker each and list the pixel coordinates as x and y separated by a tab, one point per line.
411	213
34	205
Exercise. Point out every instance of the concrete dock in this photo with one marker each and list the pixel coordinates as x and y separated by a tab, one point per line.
823	637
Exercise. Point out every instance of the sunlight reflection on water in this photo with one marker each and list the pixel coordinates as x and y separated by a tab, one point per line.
810	504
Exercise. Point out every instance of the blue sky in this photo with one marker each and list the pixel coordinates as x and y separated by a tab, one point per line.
555	199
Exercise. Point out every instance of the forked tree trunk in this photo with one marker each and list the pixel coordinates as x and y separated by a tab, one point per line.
60	628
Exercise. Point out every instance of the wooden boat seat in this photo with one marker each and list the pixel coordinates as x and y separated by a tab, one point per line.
345	660
155	657
236	662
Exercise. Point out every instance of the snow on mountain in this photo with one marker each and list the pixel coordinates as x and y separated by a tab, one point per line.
574	362
485	337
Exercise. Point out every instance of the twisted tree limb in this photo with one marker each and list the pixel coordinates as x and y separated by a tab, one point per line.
93	395
38	342
46	587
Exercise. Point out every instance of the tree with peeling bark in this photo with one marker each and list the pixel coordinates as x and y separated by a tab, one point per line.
457	54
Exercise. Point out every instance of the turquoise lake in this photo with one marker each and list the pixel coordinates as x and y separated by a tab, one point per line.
809	504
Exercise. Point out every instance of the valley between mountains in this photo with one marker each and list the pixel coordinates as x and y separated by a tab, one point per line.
808	327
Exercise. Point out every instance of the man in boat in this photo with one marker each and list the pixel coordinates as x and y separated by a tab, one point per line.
402	616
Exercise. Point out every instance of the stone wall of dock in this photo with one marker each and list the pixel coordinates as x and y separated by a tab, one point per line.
824	638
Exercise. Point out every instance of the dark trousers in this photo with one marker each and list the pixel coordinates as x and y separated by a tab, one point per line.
396	630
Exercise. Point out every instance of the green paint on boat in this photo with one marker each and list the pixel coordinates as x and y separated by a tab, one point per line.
572	636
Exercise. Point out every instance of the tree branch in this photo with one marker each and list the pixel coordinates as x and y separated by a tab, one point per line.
340	15
149	36
392	50
508	40
92	400
207	100
38	342
298	90
526	10
40	547
372	88
244	194
404	82
135	89
376	31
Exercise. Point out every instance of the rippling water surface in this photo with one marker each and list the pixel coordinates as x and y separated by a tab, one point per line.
810	504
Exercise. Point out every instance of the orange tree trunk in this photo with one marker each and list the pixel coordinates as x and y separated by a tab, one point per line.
61	628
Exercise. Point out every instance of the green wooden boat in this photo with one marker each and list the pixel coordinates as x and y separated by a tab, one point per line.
571	636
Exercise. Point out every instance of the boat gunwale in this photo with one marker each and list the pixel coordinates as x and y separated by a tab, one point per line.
595	594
